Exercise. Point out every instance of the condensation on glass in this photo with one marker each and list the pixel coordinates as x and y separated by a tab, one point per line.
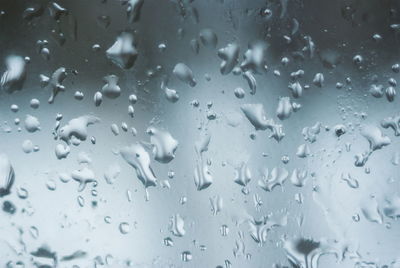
207	133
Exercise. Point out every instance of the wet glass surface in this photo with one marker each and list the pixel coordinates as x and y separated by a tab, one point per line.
199	133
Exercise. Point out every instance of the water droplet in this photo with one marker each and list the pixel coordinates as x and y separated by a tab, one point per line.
62	151
186	256
32	124
51	185
185	74
124	227
136	156
371	210
111	89
77	128
208	38
224	230
177	225
13	78
229	56
7	175
270	180
123	52
217	204
168	242
164	145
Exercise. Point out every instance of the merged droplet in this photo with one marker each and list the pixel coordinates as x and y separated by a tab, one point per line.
229	56
136	156
164	145
77	128
123	52
111	89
